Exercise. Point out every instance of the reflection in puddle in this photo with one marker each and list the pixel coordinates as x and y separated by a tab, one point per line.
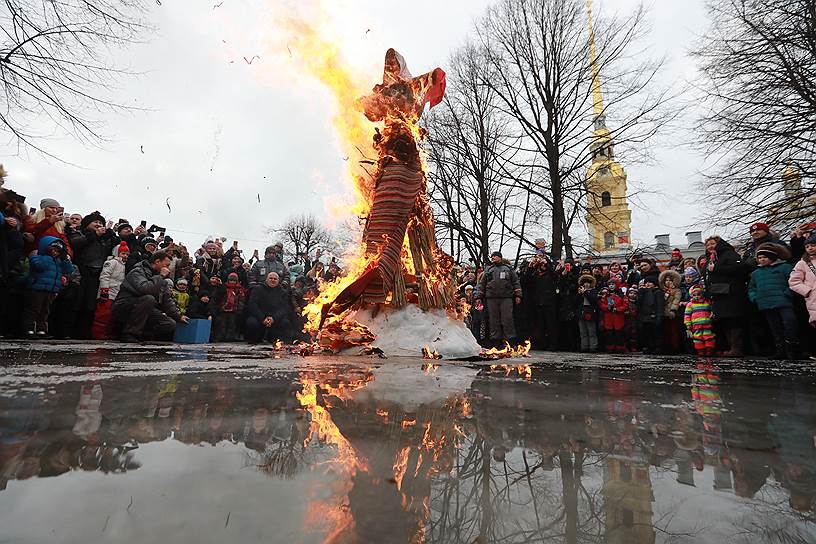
514	454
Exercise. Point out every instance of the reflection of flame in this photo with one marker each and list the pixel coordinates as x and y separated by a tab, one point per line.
428	353
522	350
401	465
331	512
408	423
525	371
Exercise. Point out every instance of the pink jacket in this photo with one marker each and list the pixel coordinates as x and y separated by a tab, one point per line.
803	281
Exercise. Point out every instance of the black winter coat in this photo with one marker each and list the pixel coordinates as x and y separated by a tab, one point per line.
539	285
265	301
568	303
143	281
727	283
651	305
91	250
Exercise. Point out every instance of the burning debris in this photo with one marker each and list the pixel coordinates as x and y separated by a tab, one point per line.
522	350
427	353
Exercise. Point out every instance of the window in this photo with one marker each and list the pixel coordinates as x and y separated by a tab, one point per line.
625	473
606	199
628	518
609	239
604	170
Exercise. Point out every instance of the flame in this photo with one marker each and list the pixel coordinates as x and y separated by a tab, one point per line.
408	423
401	465
428	353
522	350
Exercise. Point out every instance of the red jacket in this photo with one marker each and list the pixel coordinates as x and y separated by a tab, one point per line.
41	230
614	314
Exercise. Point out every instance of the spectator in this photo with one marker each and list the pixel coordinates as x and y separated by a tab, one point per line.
271	263
49	220
228	305
567	308
110	279
613	306
676	261
235	266
200	306
725	276
673	327
270	309
181	296
209	262
651	310
144	307
542	283
499	286
770	291
45	280
698	321
92	243
588	312
13	213
630	326
760	234
803	277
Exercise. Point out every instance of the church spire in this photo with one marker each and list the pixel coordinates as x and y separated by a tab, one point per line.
597	94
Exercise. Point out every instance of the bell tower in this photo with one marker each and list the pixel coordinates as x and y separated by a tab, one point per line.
608	216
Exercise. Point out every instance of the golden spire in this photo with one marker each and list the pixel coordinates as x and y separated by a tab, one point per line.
597	95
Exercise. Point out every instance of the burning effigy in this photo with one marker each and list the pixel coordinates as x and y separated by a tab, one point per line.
405	278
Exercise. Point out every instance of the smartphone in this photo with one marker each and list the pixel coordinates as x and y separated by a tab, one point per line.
568	267
32	211
122	221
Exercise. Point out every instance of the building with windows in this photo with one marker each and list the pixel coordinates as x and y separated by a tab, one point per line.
608	216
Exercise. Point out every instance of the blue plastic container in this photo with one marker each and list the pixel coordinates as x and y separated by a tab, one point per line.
197	331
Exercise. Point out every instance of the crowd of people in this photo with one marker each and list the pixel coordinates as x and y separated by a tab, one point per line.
759	300
87	277
75	276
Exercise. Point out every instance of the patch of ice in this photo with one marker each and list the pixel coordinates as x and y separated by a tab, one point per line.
403	332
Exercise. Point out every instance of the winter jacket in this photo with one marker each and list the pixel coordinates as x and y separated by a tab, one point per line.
726	284
198	309
613	311
229	300
182	299
651	305
769	287
274	302
568	303
90	250
540	284
803	281
46	272
11	249
45	228
698	316
498	281
112	276
209	266
242	275
142	280
259	271
672	302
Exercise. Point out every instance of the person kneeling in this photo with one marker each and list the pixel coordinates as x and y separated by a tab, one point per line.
144	306
269	310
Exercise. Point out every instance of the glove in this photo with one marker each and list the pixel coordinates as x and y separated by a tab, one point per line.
103	293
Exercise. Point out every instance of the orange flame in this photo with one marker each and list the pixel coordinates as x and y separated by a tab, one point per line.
428	353
522	350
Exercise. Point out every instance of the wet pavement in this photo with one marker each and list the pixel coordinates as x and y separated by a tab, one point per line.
104	443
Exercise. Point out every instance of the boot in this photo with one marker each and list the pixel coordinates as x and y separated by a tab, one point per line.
734	343
792	351
780	353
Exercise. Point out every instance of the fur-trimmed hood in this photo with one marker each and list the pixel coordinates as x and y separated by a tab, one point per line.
666	274
587	278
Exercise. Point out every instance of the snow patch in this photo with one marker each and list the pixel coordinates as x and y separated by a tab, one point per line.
403	332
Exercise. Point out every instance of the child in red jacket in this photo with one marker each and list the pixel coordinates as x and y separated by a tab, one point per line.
613	316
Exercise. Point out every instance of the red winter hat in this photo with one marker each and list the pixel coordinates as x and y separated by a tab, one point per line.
759	226
122	247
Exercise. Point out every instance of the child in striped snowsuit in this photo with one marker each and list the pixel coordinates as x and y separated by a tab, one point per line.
698	321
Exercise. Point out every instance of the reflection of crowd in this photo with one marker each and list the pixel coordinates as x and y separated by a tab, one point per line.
759	439
96	426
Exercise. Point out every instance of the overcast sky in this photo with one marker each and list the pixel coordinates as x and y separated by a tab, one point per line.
222	134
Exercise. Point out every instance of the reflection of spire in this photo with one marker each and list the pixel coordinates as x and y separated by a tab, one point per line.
597	94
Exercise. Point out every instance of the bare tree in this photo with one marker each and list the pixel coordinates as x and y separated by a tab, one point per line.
53	66
470	145
542	76
758	67
302	234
